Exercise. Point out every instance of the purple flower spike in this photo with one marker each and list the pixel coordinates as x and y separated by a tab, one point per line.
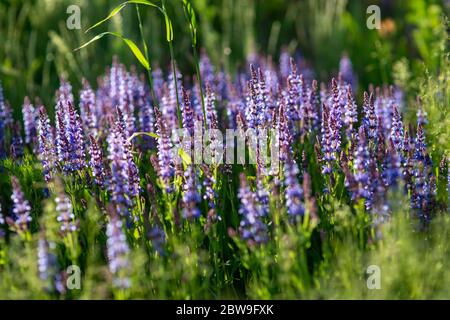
397	133
335	120
264	104
188	112
169	110
64	94
158	82
406	145
75	137
421	114
252	229
346	70
62	144
407	162
173	90
69	137
8	114
208	183
285	135
294	92
423	184
125	104
370	117
391	166
336	110
294	192
206	69
21	206
191	196
420	145
48	267
43	259
97	163
146	116
118	252
284	64
350	181
258	103
351	113
17	149
46	144
361	165
29	121
303	107
119	180
87	108
262	197
210	100
326	141
313	106
66	218
222	81
250	110
132	169
423	190
158	238
197	101
165	157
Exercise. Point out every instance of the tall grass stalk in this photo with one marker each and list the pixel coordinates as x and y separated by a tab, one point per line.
189	13
144	44
172	57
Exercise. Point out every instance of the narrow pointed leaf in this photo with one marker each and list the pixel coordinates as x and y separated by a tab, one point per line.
117	9
137	134
190	12
133	47
169	30
184	157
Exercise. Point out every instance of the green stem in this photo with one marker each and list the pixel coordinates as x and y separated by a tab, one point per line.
174	70
199	80
175	81
197	63
149	74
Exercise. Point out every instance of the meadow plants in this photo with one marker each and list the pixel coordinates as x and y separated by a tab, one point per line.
112	184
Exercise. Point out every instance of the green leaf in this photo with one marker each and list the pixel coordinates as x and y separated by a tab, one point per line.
133	47
169	30
189	10
185	157
117	9
136	134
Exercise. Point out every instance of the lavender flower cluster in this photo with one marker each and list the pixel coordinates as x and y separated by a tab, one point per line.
21	207
374	150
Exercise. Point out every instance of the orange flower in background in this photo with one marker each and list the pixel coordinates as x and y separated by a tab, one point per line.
387	27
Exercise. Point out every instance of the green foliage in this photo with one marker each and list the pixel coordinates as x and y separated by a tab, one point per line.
190	13
412	263
435	97
429	33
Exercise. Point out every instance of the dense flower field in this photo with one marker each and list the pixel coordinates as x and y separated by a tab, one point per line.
141	219
246	172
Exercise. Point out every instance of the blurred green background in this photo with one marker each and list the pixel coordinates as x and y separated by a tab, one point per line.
36	46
